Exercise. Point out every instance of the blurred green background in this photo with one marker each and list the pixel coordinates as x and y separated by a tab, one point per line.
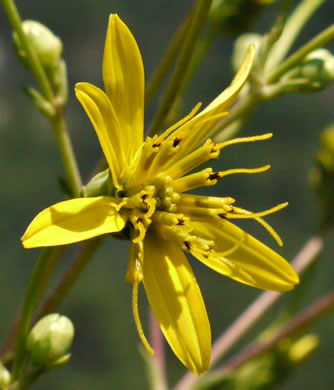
105	350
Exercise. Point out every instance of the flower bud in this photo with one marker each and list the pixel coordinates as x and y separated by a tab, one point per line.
50	340
4	376
48	46
318	68
240	48
98	185
303	348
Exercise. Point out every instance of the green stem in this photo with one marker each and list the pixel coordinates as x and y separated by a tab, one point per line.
168	59
291	30
319	41
43	283
57	121
27	311
34	62
67	154
182	65
53	300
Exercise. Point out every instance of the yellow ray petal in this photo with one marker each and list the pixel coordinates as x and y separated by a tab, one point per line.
105	122
256	264
225	100
72	221
123	76
203	123
177	303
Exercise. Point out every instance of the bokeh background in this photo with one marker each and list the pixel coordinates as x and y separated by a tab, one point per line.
105	349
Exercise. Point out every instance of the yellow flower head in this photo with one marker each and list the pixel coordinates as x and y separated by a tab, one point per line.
148	198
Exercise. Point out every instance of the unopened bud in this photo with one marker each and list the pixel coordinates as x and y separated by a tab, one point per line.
303	348
318	68
48	46
4	376
50	340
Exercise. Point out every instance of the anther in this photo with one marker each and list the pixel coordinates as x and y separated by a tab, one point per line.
215	175
187	245
176	141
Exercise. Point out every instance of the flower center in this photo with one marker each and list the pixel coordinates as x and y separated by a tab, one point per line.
156	202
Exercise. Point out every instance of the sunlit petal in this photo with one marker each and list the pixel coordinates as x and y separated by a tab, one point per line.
123	75
103	117
72	221
203	123
262	267
225	100
177	303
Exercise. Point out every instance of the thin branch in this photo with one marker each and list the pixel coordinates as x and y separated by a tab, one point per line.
255	311
312	313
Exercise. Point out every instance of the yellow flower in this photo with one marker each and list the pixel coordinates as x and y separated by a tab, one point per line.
147	199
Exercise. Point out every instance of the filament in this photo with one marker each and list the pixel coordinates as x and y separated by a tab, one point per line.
137	318
245	139
247	214
243	170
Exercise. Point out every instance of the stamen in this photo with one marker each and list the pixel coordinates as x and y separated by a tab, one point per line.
146	157
143	201
194	159
247	214
195	180
162	159
204	214
172	219
140	228
243	170
140	222
257	216
137	319
198	130
191	114
245	139
189	200
134	272
270	230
